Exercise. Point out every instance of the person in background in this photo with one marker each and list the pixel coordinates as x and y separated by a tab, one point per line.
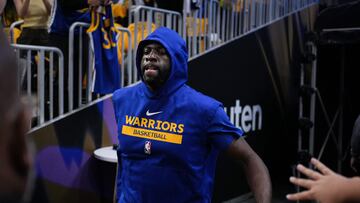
35	14
326	186
120	12
170	134
15	156
63	14
8	15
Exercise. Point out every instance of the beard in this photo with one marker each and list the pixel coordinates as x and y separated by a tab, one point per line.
154	78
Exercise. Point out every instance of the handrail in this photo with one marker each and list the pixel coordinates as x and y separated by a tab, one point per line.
127	65
72	30
204	29
11	30
27	68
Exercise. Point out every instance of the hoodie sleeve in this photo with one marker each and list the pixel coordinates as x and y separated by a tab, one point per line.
221	131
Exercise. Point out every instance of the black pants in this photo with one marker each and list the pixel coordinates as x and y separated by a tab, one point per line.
34	36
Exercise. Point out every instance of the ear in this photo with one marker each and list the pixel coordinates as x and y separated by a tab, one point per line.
18	144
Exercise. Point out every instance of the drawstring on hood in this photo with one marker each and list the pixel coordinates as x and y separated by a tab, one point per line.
176	48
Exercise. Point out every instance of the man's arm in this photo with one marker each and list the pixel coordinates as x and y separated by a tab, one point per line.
255	170
22	7
2	5
325	185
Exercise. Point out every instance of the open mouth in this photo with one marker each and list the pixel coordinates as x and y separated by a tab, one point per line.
151	67
151	70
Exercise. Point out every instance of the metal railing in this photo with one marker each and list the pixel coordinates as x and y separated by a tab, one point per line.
209	26
77	87
42	75
126	54
213	24
12	28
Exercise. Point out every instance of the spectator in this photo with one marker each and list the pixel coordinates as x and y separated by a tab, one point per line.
35	14
8	15
64	13
34	30
121	13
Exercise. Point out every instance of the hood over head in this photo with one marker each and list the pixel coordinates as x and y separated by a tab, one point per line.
176	48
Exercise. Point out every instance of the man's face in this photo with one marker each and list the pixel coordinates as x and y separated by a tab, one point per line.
155	65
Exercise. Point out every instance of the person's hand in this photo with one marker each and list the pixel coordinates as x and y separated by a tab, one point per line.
324	186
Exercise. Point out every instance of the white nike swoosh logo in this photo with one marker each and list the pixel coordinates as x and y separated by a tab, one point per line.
153	113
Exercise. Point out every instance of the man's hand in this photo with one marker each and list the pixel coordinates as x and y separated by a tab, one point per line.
324	187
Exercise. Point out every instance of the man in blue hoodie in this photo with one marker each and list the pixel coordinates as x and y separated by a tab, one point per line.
170	135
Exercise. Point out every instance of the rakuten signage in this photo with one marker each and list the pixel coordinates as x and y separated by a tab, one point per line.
248	117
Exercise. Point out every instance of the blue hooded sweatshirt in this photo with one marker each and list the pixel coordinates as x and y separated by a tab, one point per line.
169	139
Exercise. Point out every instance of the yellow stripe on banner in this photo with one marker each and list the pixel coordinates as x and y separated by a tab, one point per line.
151	134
